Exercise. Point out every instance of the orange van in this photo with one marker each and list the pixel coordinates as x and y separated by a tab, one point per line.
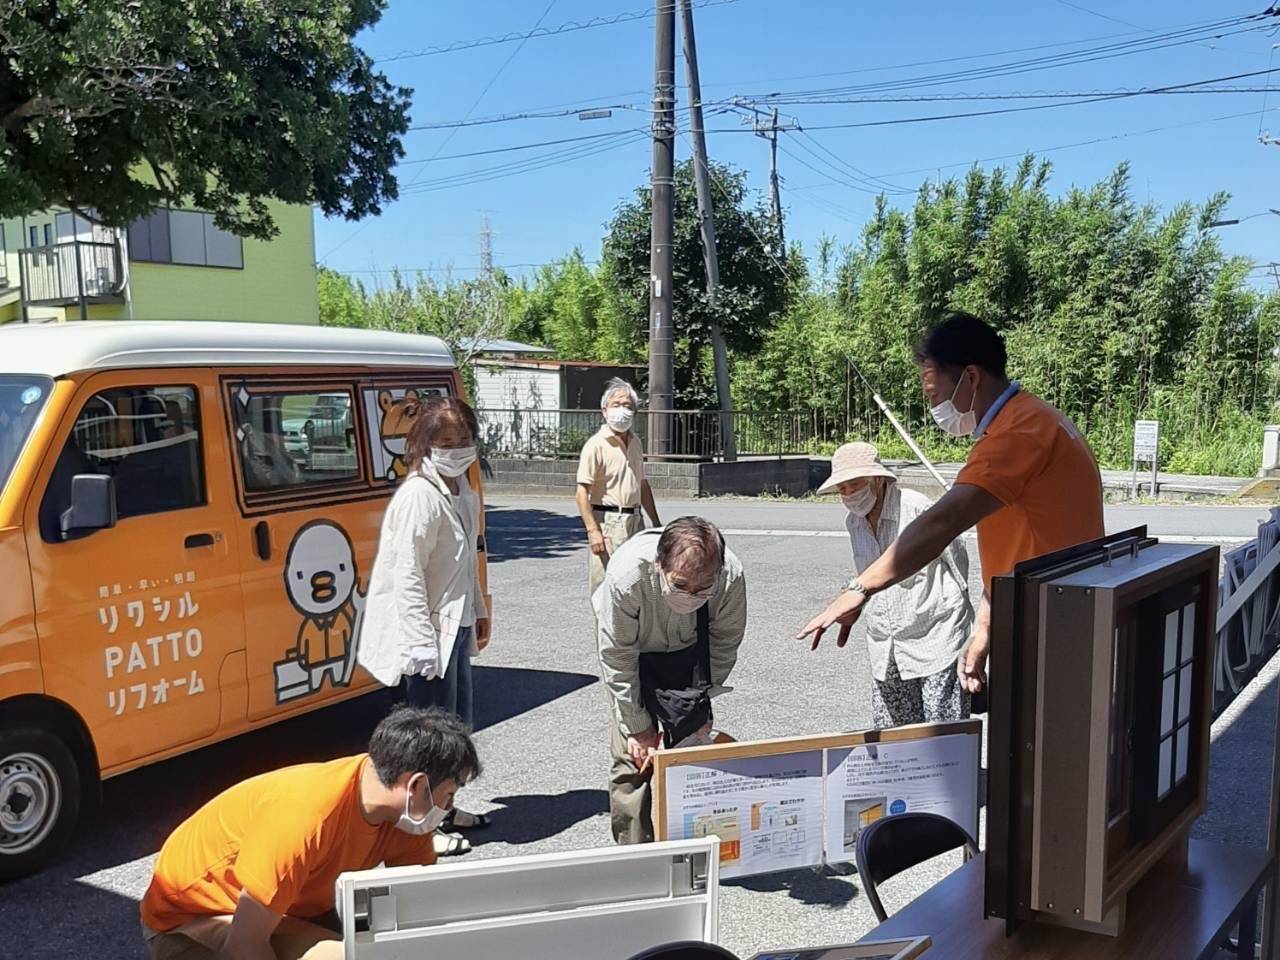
189	514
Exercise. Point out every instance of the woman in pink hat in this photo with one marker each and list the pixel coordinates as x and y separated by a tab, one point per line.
916	630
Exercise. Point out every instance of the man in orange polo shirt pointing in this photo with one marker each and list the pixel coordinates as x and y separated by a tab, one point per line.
1031	484
252	871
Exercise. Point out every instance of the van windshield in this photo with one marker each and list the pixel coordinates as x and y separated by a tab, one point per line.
21	400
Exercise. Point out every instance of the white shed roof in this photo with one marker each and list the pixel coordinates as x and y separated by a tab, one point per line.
62	348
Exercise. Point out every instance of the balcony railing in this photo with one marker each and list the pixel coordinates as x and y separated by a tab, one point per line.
70	273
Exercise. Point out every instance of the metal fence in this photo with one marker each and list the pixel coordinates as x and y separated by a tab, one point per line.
696	434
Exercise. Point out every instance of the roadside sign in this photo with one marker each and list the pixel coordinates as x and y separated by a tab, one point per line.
1146	439
1146	449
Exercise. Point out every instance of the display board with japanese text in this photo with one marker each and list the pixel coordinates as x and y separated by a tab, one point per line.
803	801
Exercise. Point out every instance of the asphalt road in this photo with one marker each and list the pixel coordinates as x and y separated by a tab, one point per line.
541	721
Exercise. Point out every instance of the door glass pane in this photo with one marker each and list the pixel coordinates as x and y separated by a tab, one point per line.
147	438
1184	746
1184	694
295	439
1167	697
1170	640
1164	782
1188	631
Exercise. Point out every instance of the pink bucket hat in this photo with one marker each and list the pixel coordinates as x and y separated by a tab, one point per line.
852	462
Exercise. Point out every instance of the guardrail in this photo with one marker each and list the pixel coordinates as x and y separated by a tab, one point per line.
696	434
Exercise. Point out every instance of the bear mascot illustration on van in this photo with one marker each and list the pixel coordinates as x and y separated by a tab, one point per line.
395	428
323	585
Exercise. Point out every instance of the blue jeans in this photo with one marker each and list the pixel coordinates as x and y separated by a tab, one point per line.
451	692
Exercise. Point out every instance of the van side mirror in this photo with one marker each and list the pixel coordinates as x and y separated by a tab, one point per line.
93	505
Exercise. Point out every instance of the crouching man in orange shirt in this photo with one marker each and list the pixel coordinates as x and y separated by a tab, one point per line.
251	874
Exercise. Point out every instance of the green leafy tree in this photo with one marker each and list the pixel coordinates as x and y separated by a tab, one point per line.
1112	310
342	302
753	289
120	106
577	311
462	313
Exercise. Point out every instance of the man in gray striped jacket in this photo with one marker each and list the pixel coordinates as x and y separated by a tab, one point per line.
648	604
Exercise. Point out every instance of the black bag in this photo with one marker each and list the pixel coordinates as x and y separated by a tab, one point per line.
674	687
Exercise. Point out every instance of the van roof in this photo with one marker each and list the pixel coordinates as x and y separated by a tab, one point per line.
56	349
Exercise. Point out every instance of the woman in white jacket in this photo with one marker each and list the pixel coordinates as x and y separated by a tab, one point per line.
425	616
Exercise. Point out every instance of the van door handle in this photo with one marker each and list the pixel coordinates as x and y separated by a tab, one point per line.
198	540
262	540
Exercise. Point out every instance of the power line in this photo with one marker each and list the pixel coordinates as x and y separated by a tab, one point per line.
531	115
1028	95
871	178
514	147
537	33
1095	13
528	165
575	108
1012	68
899	121
1069	146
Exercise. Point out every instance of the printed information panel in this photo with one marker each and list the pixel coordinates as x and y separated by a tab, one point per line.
802	801
767	811
934	775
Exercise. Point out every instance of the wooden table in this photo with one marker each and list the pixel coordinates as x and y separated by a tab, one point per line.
1175	913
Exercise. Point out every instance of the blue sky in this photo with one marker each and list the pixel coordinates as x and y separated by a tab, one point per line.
756	47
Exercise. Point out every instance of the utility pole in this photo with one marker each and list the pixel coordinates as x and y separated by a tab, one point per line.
661	367
775	192
769	129
706	215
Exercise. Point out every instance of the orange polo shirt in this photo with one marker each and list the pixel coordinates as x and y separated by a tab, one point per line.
283	837
1035	462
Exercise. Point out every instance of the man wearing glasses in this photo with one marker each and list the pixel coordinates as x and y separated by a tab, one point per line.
670	616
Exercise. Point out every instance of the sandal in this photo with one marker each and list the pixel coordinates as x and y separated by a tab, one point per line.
462	820
449	844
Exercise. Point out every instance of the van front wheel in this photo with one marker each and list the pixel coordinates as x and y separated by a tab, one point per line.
39	799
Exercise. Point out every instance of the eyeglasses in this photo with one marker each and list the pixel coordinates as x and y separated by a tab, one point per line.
704	593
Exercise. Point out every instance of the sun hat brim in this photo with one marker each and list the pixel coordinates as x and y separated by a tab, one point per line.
855	473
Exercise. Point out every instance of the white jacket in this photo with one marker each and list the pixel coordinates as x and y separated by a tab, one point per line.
425	587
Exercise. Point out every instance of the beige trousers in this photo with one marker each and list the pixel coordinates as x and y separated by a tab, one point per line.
630	794
617	529
294	939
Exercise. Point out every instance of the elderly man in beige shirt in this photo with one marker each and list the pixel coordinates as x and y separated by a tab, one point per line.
611	483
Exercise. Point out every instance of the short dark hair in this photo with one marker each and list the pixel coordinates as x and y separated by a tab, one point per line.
690	535
431	741
428	418
962	340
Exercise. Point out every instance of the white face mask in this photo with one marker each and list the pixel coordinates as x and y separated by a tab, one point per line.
428	824
619	418
860	503
681	601
453	463
952	420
